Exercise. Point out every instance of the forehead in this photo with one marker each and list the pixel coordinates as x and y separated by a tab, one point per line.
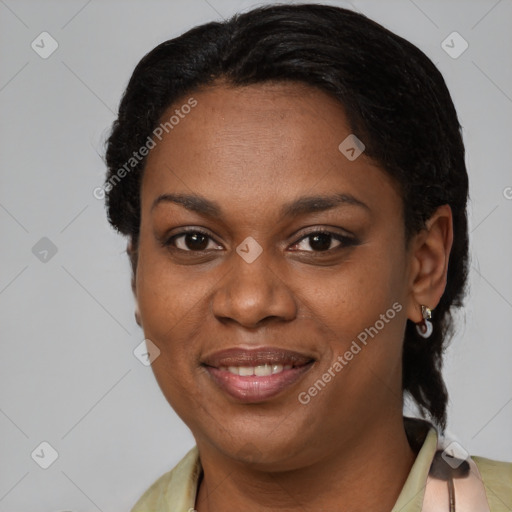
266	140
266	120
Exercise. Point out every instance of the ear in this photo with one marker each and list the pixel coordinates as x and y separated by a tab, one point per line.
429	256
131	253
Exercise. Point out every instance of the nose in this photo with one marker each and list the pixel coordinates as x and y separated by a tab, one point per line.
253	294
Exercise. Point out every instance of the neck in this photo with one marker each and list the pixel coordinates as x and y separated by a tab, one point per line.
366	473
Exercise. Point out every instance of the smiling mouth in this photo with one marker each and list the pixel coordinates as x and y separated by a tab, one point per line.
256	375
262	370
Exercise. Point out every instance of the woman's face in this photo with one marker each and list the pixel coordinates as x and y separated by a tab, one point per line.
253	175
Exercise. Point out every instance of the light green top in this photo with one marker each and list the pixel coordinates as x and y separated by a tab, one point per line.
176	490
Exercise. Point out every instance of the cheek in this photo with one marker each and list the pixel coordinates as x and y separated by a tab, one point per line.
363	289
166	302
166	293
168	307
361	309
362	320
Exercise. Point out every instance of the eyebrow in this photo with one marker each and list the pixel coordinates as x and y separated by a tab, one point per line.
301	206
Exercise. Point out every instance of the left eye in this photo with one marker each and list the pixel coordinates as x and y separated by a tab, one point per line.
320	241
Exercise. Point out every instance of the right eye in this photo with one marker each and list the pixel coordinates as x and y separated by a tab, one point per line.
190	241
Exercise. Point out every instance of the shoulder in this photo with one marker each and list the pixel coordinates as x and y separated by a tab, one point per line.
497	479
176	488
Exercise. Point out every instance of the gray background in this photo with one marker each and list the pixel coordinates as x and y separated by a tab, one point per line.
68	373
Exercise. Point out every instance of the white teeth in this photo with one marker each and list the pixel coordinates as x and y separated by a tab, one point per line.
262	370
277	368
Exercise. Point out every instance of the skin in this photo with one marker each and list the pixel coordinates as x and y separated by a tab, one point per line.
251	150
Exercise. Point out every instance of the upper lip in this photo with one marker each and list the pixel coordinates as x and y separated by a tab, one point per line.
256	356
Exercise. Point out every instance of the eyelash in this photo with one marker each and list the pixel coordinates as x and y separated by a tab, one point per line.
345	241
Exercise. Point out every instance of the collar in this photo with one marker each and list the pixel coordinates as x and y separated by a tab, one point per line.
423	439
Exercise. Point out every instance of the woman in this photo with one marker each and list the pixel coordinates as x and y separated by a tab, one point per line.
293	188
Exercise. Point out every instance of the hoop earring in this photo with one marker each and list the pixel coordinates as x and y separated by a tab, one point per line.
425	327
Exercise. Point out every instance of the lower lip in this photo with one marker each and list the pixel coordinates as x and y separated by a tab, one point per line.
252	389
